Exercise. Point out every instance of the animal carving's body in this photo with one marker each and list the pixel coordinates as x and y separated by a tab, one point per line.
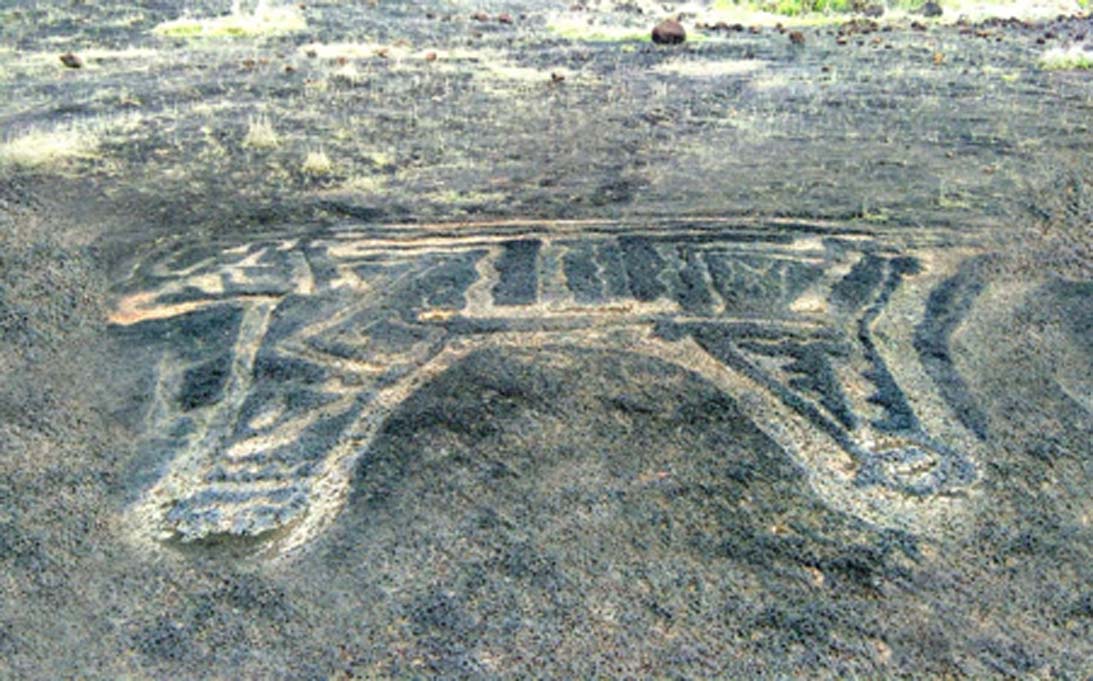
281	358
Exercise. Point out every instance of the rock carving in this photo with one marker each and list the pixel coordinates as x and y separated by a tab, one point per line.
281	357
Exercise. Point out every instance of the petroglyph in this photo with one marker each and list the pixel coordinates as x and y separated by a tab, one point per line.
281	358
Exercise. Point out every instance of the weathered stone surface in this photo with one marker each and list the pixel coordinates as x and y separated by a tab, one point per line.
743	359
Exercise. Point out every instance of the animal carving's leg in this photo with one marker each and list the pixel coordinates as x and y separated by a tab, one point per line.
838	379
300	394
896	448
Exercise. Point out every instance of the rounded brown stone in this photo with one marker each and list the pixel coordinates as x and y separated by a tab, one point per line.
669	32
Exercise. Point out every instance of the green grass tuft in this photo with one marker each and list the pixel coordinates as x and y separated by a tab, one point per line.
49	149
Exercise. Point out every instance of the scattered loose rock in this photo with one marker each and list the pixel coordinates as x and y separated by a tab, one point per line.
932	10
504	18
856	26
430	56
723	26
480	16
669	32
71	60
797	38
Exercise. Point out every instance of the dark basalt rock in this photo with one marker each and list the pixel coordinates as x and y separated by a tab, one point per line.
932	10
71	60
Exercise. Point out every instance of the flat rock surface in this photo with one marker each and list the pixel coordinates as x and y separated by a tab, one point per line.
469	341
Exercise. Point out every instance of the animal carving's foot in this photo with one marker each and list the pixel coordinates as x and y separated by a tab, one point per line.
917	469
221	512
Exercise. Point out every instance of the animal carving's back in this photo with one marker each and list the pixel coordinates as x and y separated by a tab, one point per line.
281	358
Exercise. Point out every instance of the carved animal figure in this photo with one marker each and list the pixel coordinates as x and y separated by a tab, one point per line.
280	358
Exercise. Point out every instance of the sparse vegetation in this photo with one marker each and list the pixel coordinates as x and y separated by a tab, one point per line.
711	69
580	30
364	184
953	8
1068	59
317	163
38	149
260	134
794	7
262	21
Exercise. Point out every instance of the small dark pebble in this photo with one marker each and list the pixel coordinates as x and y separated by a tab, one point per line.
918	26
873	10
669	32
557	77
932	10
797	38
71	61
480	16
